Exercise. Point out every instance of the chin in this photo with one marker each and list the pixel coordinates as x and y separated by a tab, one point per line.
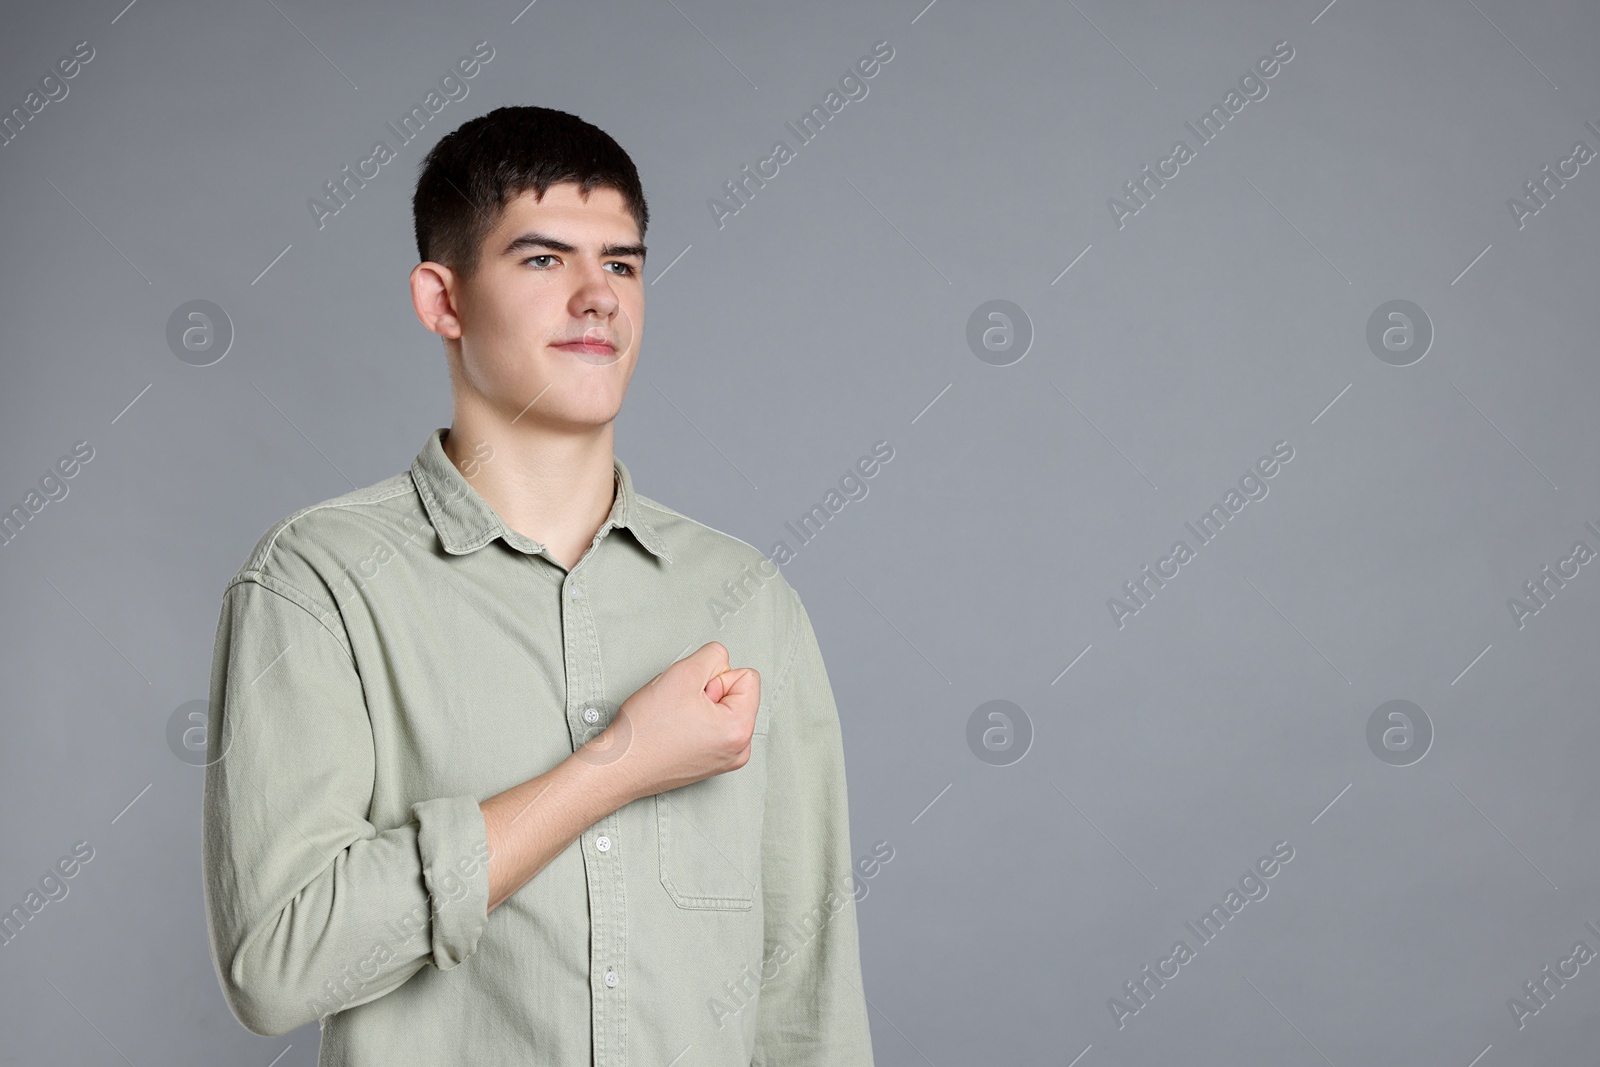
592	416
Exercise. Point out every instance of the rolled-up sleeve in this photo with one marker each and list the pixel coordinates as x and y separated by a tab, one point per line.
812	1012
311	908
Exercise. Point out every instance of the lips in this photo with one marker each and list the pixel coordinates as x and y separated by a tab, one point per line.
593	349
592	341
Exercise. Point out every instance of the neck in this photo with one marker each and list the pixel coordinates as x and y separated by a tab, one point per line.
553	486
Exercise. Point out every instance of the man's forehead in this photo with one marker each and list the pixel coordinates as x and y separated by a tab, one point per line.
562	206
569	196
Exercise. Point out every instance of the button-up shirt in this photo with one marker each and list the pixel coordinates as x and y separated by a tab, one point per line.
386	660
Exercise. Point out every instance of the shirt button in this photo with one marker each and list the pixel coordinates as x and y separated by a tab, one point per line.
590	715
574	591
611	977
603	843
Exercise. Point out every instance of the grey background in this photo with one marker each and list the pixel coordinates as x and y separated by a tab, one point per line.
830	313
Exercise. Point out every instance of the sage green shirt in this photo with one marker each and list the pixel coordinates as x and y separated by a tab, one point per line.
387	659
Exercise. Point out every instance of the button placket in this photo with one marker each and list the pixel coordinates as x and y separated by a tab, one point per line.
602	863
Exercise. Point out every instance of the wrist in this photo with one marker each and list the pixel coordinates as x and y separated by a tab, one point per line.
600	770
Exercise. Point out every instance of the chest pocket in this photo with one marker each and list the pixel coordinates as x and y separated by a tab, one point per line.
710	836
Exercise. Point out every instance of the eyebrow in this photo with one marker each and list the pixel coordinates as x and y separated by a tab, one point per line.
535	239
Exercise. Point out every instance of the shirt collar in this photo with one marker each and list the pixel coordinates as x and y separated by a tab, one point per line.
465	522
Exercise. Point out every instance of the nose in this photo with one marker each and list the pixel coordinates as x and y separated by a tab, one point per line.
594	295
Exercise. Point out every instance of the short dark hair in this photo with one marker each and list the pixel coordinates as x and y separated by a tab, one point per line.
467	179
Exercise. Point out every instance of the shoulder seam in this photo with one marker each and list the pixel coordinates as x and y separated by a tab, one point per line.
292	519
645	502
284	591
780	690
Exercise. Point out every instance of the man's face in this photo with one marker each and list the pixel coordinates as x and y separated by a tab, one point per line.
551	322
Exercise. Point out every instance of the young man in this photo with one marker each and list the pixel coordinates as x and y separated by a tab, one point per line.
468	801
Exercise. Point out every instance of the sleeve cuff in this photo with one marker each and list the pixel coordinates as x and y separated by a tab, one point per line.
453	841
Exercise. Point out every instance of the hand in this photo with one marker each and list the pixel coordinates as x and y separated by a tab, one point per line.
693	720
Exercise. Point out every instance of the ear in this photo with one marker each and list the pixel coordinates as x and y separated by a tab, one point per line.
434	289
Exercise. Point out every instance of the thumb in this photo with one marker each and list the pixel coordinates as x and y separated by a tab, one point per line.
741	683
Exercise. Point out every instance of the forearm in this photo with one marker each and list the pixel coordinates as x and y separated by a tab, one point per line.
530	824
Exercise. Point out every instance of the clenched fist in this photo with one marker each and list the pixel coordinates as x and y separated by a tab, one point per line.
693	720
